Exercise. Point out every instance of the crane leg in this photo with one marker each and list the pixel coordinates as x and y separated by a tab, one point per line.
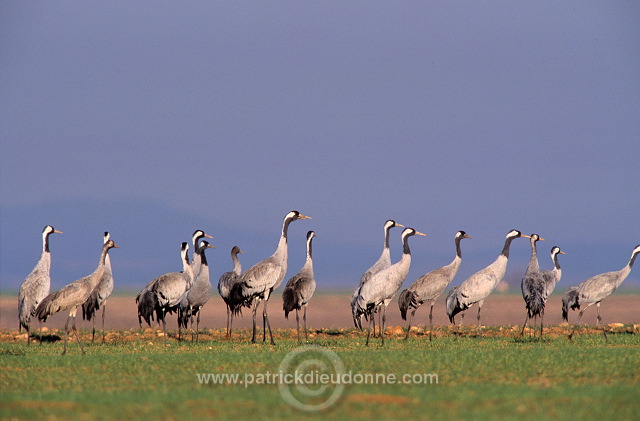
66	333
228	318
369	330
541	323
164	327
93	328
198	327
431	321
255	310
384	319
73	326
373	315
480	308
230	325
599	319
304	319
298	325
413	312
526	319
104	309
459	330
577	323
266	321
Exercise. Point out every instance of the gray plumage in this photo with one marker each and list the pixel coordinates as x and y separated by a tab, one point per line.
533	286
73	295
383	262
300	289
170	287
99	296
594	290
429	286
36	285
225	284
479	285
196	260
258	282
199	293
384	285
552	277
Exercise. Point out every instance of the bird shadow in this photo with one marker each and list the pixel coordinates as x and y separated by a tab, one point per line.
47	338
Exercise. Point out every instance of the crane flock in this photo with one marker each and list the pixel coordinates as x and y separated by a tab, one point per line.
187	291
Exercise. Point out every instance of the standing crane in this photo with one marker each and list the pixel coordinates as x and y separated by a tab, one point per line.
429	286
36	285
259	281
593	291
225	284
300	289
196	260
169	288
482	283
384	285
533	286
197	296
552	277
146	299
73	295
383	262
98	297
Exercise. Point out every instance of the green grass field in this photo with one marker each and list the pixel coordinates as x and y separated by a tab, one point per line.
495	377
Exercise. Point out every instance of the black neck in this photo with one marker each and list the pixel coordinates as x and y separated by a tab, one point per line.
633	258
285	228
203	258
45	246
406	246
505	249
555	261
458	248
386	237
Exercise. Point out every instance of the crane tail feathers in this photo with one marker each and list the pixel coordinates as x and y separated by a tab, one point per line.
569	301
404	302
90	307
289	301
534	301
454	306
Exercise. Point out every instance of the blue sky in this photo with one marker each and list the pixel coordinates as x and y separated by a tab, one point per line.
152	119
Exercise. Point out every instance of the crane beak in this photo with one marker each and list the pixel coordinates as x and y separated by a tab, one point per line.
562	252
209	246
419	233
525	236
466	236
208	236
57	232
399	225
115	246
301	216
541	239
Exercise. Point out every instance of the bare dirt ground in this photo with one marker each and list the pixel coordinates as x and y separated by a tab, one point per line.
332	311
